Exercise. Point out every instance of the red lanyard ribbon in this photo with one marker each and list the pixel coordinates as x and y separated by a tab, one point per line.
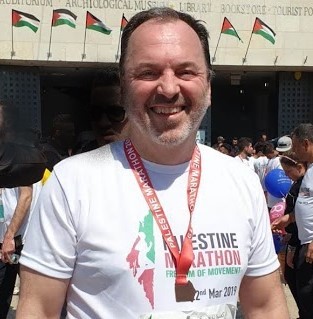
183	259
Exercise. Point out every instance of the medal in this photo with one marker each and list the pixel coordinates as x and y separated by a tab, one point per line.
185	293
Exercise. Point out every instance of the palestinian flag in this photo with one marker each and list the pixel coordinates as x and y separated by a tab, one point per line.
227	28
95	24
124	22
63	16
264	30
22	19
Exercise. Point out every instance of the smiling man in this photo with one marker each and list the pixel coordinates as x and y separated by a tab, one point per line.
155	237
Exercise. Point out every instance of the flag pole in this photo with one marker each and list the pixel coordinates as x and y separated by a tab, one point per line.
84	50
119	41
244	60
12	43
213	59
49	52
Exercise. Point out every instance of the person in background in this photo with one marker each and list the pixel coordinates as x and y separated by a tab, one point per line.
234	144
260	163
302	145
245	152
263	137
273	163
108	118
225	149
295	170
16	205
61	141
122	243
219	140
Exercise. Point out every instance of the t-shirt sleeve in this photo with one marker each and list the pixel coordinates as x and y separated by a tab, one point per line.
262	258
50	244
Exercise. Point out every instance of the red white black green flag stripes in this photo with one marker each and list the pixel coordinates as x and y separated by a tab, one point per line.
23	19
124	22
264	30
93	23
63	16
227	28
261	28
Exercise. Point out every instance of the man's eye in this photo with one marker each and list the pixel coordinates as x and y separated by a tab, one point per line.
148	74
186	74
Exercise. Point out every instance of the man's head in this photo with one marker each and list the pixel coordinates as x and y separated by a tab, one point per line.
234	141
269	150
258	148
245	146
107	116
63	131
263	137
302	142
165	75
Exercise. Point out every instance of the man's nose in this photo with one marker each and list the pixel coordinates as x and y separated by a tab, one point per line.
168	85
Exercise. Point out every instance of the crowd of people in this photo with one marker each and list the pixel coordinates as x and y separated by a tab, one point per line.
133	225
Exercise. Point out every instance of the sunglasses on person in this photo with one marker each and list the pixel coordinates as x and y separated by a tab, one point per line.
114	113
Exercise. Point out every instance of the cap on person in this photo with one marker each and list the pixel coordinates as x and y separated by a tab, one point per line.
220	139
284	144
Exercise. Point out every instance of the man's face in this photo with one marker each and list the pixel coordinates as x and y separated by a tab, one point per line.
249	150
303	149
165	88
109	123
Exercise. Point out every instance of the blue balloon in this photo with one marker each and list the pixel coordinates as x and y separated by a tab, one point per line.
277	183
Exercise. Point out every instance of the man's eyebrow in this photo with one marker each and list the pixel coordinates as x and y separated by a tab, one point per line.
143	65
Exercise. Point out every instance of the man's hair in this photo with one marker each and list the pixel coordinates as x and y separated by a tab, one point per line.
290	158
165	14
227	147
244	142
268	148
303	131
259	146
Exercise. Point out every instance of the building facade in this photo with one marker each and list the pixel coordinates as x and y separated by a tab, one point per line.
263	81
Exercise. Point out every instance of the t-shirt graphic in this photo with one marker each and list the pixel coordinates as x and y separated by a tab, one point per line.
141	258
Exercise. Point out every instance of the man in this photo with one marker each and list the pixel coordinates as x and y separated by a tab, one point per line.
260	162
61	142
107	116
245	152
115	250
302	141
15	208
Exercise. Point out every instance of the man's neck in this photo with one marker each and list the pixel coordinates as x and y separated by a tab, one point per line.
163	154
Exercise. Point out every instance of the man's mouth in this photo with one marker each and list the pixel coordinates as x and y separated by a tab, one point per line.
167	110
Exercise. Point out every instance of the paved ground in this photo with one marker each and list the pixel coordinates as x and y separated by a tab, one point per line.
291	305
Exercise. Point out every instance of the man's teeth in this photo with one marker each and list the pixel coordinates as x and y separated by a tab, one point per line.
167	110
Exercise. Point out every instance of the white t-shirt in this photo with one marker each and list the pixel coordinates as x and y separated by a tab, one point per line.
304	208
92	224
249	161
260	165
10	198
273	163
